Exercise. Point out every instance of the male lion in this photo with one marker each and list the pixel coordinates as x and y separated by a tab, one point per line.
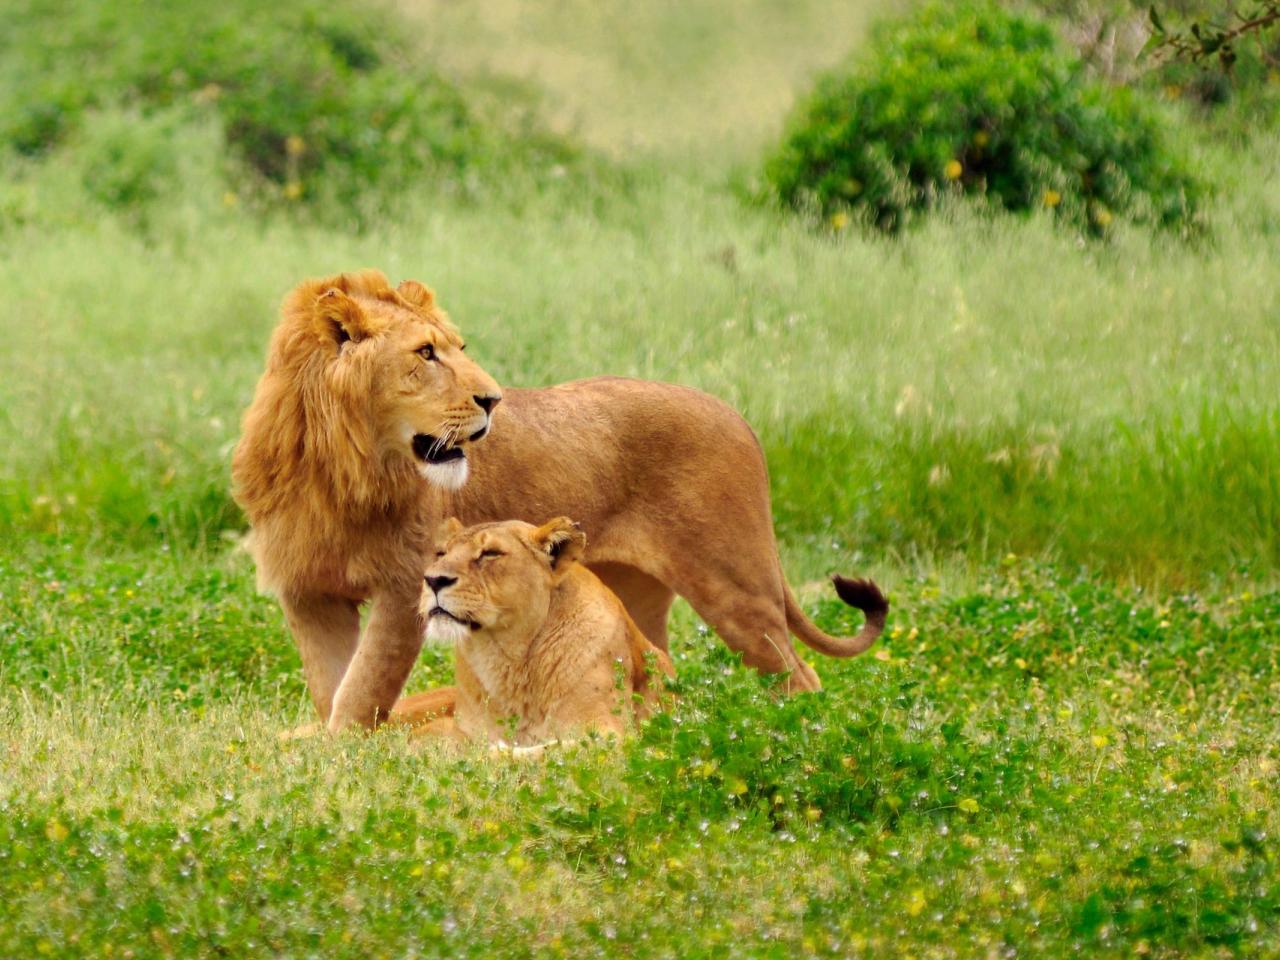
544	649
360	438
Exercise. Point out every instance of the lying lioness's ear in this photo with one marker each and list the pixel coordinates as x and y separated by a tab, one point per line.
562	540
339	318
446	529
417	294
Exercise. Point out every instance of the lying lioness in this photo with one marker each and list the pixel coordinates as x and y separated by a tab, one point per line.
544	649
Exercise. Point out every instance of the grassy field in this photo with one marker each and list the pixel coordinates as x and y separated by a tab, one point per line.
1062	460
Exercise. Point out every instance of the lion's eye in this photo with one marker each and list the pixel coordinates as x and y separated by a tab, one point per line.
486	554
439	554
427	352
463	347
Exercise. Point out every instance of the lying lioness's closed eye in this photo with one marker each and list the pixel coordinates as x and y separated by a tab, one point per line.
544	649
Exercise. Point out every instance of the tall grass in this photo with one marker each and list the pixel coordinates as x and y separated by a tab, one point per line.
978	387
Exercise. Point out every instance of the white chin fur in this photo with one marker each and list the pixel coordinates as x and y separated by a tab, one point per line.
452	474
446	630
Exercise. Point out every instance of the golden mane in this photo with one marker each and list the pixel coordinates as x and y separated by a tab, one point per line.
309	432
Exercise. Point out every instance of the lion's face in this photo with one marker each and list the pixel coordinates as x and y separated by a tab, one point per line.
426	400
495	580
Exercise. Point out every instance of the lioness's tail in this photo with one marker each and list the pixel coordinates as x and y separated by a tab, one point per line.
864	595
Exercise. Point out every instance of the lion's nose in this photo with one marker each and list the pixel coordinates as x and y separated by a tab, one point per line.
488	402
439	583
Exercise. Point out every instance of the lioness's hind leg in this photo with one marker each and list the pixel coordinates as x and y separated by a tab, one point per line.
441	728
418	709
647	599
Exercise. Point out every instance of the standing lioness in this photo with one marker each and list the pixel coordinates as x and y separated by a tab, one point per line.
544	649
370	425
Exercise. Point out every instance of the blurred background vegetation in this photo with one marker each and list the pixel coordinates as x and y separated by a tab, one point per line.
692	192
1002	300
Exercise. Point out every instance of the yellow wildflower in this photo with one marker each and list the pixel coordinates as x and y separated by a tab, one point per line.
916	903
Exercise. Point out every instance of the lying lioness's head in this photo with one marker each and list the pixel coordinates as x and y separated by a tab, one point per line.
496	578
363	383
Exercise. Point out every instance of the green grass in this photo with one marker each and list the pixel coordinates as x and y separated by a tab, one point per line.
1061	458
975	388
1033	760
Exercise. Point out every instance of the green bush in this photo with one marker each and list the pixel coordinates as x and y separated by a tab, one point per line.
970	99
316	100
128	159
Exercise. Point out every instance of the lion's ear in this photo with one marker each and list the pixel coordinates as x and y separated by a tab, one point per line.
562	540
339	318
446	529
417	295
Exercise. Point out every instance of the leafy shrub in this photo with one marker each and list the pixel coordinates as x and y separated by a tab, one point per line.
975	100
128	159
316	100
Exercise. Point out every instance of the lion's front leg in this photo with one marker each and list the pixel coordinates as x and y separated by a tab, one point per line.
377	673
326	630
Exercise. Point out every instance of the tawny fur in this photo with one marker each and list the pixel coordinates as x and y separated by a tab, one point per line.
668	483
545	651
326	473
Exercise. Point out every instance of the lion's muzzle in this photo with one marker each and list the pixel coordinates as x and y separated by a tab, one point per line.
432	449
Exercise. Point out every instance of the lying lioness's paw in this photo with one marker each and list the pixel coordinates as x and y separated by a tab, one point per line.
303	732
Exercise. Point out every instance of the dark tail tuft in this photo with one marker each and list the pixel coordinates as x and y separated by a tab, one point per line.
864	595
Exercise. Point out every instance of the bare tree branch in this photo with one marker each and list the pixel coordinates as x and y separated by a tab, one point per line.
1203	38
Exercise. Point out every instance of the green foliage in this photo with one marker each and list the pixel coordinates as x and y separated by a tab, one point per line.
316	100
1215	37
981	386
947	494
1032	757
969	99
1222	61
1121	42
